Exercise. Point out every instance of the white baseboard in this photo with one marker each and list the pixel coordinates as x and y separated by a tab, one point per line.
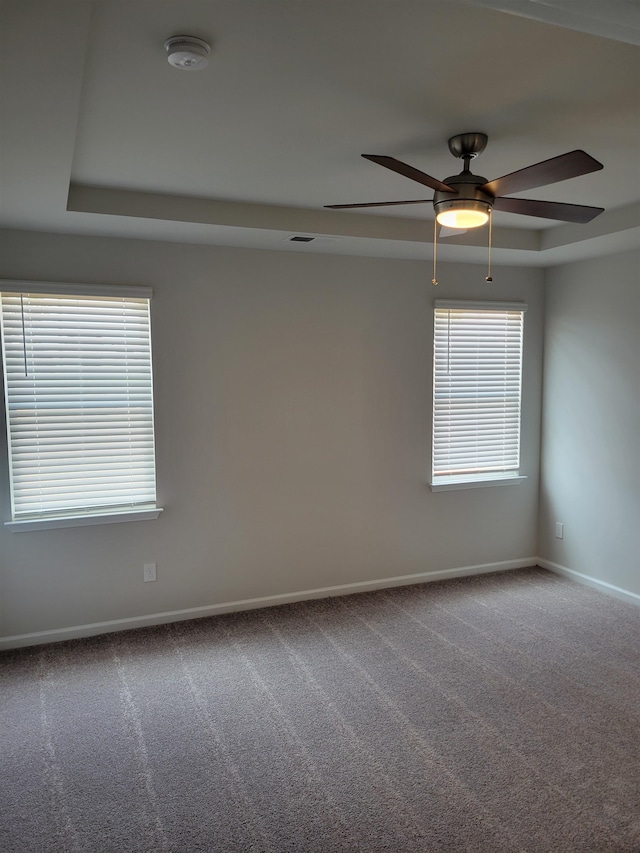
57	635
603	586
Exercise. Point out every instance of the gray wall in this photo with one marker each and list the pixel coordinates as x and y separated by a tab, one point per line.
590	476
293	403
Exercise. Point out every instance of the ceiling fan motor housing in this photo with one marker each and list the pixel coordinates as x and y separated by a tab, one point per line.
468	194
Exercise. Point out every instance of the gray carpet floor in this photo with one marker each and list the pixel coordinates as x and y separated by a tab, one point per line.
494	713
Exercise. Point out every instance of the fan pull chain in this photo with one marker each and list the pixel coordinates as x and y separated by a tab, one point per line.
434	280
24	336
488	277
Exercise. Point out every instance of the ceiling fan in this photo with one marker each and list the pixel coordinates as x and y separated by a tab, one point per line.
466	200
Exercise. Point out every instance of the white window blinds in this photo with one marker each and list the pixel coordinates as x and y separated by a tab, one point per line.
476	390
79	402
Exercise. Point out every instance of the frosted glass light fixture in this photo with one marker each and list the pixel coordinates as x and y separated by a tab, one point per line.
459	213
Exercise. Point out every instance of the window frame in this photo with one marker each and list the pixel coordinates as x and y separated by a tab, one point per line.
468	480
97	514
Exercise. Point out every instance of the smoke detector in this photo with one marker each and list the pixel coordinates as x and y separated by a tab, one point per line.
187	53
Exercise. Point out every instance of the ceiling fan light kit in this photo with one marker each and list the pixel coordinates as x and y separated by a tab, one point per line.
463	214
187	53
467	201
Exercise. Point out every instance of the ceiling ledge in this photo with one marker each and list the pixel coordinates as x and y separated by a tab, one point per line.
204	211
189	219
610	19
204	220
616	230
616	221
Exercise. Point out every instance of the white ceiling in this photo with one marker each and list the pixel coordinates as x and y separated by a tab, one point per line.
100	135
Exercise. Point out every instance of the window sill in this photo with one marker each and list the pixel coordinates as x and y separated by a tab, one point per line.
447	484
47	523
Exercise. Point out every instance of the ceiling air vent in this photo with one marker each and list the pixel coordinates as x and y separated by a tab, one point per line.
297	238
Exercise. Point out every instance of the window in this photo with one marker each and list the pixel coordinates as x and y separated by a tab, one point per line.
79	404
477	379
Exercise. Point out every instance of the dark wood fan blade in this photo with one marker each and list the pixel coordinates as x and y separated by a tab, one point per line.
548	209
378	204
409	172
561	168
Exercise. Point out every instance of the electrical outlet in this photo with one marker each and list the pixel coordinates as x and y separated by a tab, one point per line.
559	530
149	572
